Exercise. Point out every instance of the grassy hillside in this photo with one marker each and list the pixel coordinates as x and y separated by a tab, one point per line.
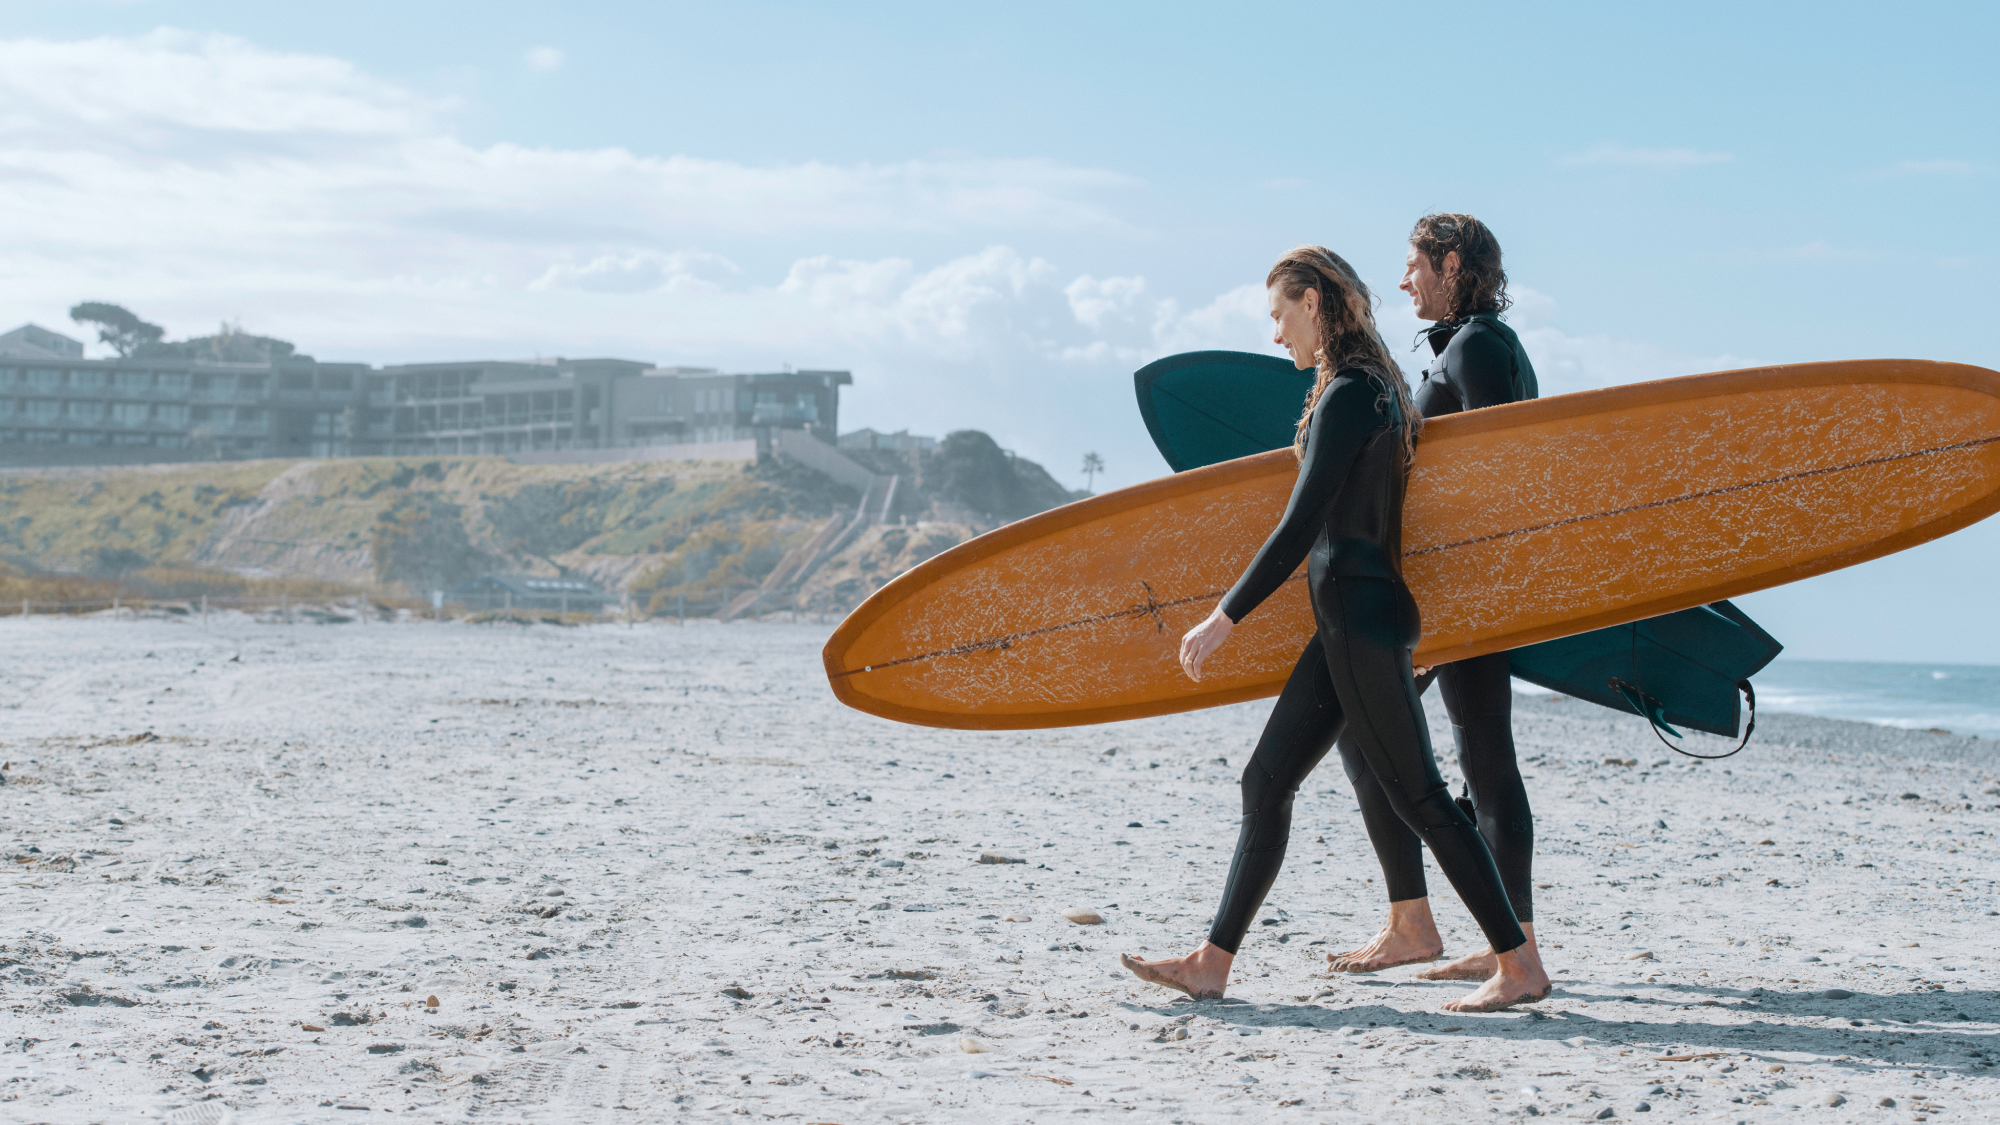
671	534
395	525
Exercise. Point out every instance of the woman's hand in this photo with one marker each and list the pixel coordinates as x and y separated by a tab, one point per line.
1202	640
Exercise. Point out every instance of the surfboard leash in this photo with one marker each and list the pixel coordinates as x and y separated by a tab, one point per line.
1654	712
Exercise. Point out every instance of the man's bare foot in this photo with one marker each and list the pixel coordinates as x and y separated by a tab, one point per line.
1202	974
1477	966
1518	978
1409	937
1388	950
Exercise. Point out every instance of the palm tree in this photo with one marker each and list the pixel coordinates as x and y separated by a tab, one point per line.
1092	465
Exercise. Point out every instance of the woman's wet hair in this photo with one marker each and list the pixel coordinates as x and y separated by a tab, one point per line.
1347	334
1480	284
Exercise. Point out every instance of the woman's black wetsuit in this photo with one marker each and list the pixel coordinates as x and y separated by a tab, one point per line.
1476	362
1345	521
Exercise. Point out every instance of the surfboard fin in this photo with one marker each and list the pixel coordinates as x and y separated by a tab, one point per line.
1652	711
1645	705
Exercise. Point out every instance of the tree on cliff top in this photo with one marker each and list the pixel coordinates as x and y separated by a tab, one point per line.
117	326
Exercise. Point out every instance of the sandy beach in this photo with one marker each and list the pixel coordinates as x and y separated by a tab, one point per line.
270	873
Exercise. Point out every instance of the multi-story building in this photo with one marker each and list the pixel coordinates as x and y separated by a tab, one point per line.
57	407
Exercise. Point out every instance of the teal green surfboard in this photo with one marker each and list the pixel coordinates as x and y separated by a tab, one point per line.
1680	670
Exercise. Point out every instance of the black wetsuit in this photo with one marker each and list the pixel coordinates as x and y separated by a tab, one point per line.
1476	362
1345	522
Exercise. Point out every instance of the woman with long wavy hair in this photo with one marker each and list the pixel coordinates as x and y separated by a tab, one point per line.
1345	522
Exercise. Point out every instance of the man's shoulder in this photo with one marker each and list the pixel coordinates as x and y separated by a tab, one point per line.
1484	332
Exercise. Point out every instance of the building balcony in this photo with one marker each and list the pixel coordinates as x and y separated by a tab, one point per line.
774	414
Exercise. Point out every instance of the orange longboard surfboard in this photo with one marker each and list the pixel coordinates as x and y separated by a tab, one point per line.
1524	523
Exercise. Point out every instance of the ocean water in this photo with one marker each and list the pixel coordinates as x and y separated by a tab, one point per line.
1960	698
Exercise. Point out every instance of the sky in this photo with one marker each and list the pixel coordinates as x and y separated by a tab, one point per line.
993	217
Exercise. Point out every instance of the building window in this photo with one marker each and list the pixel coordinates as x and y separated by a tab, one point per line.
44	379
173	381
43	410
130	413
172	414
132	380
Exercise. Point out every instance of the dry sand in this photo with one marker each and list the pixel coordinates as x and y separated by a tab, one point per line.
656	873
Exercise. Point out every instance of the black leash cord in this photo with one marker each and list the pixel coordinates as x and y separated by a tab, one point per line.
1648	706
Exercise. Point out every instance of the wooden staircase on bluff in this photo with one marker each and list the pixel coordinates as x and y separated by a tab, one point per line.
801	561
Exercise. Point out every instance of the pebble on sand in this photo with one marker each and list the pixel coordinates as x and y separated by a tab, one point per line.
1640	955
973	1046
1831	1099
998	857
1084	916
1836	994
1018	918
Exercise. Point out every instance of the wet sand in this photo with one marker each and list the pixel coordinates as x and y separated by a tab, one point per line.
657	873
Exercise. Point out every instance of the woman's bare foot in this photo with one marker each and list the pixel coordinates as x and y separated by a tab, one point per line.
1518	978
1409	937
1202	974
1477	966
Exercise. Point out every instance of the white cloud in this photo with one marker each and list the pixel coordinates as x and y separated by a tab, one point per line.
544	59
172	146
167	87
1621	156
642	271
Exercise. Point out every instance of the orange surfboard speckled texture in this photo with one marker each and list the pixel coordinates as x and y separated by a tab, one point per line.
1524	523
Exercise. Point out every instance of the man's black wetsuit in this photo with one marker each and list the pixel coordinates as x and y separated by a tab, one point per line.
1345	520
1476	362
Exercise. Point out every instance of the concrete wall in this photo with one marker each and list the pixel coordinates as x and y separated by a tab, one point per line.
815	454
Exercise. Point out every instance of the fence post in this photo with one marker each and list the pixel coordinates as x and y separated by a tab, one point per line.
285	608
680	607
114	607
204	609
24	607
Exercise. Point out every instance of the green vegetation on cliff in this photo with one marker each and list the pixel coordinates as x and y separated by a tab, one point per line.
669	533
